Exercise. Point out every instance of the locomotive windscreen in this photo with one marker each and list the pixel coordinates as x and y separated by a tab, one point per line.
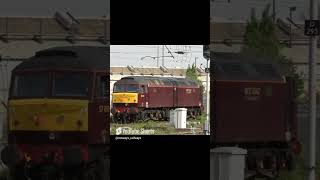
71	84
125	88
31	85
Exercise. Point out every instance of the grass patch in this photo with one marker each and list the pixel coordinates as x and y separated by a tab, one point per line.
202	119
300	172
163	127
159	127
4	172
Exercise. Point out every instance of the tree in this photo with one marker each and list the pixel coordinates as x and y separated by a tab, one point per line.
261	40
191	73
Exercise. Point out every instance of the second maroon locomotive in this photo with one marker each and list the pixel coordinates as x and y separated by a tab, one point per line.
144	97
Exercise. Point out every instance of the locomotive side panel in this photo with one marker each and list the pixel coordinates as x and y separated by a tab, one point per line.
142	100
292	107
99	129
249	112
160	97
98	126
188	97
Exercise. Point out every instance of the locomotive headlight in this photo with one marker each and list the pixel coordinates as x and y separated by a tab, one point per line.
16	122
52	136
79	123
27	157
288	136
83	110
60	119
36	120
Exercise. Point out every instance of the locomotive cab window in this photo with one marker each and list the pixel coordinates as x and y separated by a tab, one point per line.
132	88
125	88
71	84
101	86
119	88
31	85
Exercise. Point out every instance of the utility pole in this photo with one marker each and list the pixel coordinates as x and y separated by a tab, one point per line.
290	42
157	55
274	11
206	55
163	55
291	9
195	61
207	123
312	93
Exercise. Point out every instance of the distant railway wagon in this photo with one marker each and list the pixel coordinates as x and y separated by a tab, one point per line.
58	115
144	97
254	108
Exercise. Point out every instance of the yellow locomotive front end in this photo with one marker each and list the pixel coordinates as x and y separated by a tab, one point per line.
55	120
125	101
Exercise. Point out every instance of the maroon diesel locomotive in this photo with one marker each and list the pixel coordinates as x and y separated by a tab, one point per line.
143	97
58	124
253	108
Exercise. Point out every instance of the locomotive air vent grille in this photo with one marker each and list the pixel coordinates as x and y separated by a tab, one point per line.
265	70
128	78
233	69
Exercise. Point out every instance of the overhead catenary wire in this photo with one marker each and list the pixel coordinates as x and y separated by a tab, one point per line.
131	54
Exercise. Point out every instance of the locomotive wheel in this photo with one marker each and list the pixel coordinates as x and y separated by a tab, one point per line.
17	172
290	162
158	115
151	116
140	116
146	117
124	119
10	156
100	171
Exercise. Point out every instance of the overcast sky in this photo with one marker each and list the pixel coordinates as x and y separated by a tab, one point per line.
79	8
132	55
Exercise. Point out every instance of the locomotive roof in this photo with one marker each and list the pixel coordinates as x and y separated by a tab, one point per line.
71	57
161	81
235	66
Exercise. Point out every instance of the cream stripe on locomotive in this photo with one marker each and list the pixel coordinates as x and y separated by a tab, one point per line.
48	115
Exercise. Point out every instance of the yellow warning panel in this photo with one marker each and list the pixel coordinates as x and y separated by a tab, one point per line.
125	98
48	115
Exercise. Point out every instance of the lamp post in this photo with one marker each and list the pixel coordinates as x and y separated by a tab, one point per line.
206	55
312	94
291	9
207	123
